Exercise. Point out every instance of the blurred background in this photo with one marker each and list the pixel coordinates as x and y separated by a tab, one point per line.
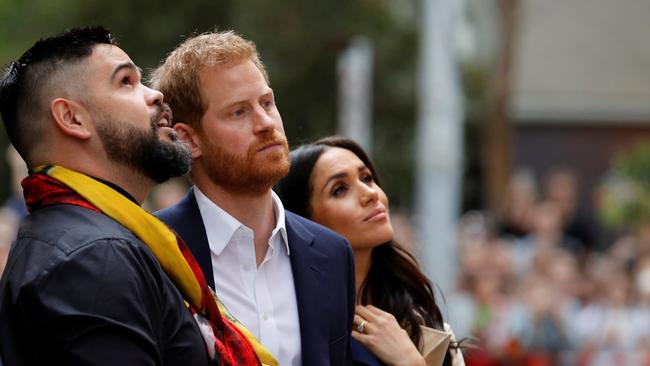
512	137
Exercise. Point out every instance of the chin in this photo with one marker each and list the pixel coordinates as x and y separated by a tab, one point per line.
374	240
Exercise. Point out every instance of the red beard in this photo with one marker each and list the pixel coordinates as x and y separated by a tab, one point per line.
254	173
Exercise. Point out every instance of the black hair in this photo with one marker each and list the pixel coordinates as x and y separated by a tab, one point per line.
394	282
23	80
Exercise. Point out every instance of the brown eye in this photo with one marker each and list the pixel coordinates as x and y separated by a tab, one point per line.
267	104
339	190
126	81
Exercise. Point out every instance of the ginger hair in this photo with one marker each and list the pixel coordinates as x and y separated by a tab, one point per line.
178	77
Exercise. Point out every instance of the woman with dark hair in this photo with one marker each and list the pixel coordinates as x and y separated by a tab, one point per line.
332	181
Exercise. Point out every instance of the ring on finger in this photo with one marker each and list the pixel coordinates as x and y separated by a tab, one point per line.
361	328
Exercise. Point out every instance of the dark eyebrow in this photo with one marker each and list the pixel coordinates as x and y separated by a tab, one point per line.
126	65
335	176
361	168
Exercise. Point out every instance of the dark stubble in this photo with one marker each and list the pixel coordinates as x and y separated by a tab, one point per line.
142	149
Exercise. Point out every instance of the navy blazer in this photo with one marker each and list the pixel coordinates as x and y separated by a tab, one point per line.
323	275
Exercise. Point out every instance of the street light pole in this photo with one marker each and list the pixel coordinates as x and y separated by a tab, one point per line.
439	142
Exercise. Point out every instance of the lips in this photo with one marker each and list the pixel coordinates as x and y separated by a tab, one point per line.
269	145
378	213
164	116
165	119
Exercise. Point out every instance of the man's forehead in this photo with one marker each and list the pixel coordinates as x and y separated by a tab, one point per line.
108	56
234	81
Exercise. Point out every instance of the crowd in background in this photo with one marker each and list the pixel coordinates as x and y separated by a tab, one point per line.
531	287
534	289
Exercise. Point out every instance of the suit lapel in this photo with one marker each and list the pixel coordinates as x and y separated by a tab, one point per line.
309	267
189	225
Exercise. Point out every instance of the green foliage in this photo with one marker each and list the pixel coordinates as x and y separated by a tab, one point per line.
625	193
299	41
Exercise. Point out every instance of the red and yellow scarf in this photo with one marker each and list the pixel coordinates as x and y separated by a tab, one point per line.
232	344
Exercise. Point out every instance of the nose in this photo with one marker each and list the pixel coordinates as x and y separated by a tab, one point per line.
153	96
264	122
369	194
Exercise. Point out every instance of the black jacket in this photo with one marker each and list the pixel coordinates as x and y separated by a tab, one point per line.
80	289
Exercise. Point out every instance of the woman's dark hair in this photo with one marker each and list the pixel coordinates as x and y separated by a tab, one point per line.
394	282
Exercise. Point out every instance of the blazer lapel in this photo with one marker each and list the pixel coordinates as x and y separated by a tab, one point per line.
188	223
309	266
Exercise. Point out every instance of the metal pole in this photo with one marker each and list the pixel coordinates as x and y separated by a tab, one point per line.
439	142
355	92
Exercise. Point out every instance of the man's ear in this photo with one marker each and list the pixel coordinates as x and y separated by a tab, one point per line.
71	118
188	135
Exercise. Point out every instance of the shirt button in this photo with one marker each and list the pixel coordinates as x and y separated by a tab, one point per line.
265	316
247	266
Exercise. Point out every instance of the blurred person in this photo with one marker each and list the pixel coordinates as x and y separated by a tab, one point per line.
610	328
642	282
516	217
546	236
461	305
403	231
543	335
620	328
167	194
18	170
560	186
333	182
289	281
92	278
9	223
563	272
642	287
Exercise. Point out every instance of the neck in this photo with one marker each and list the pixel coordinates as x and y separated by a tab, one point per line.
136	184
255	211
133	182
90	159
362	262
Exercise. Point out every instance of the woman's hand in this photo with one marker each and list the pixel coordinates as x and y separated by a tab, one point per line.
383	336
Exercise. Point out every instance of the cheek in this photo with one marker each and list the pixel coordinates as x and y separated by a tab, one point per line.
227	140
383	198
335	215
279	126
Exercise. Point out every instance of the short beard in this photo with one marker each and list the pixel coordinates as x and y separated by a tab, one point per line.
143	150
246	174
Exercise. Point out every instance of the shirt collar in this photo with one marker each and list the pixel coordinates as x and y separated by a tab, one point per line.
220	226
280	225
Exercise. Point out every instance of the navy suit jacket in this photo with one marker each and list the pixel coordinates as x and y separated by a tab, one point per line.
323	275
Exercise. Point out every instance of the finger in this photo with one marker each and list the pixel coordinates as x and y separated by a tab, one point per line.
361	325
380	315
365	313
375	310
362	338
357	320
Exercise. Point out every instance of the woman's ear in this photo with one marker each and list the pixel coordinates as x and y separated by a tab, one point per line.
188	135
71	118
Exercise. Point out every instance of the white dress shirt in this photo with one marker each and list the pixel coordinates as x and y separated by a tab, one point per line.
262	298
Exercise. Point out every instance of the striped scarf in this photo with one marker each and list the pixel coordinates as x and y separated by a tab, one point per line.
227	345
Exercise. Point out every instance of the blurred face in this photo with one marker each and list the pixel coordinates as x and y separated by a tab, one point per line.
241	142
132	122
346	199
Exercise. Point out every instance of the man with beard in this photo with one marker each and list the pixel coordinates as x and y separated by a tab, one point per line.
92	278
287	280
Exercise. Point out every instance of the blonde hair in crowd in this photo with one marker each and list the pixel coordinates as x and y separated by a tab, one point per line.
178	75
